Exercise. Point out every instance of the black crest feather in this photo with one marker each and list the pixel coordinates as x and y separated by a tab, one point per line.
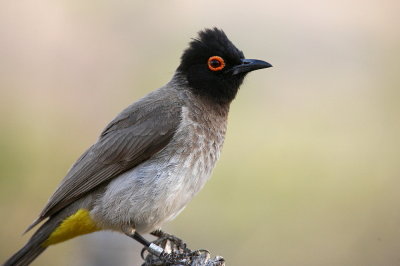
210	42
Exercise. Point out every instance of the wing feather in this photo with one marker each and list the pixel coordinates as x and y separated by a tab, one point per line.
136	134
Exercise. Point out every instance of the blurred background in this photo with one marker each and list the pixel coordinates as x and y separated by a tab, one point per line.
309	174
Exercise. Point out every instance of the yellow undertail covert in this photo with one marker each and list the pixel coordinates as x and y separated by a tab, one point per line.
77	224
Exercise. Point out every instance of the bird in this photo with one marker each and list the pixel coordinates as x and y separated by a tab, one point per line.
153	157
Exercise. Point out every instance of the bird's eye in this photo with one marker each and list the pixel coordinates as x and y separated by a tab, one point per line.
216	63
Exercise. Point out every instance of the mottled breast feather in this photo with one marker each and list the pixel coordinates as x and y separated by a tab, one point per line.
203	127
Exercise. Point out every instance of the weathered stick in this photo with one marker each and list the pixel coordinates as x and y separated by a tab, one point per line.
179	254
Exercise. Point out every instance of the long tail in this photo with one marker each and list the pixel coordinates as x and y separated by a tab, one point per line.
25	255
34	247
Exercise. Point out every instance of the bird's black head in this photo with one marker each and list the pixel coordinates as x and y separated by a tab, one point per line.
214	67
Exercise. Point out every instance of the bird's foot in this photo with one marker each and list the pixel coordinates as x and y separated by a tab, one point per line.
163	237
175	251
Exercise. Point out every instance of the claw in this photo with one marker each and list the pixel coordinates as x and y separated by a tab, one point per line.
142	253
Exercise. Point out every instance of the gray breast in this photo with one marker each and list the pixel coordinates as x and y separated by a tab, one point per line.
158	189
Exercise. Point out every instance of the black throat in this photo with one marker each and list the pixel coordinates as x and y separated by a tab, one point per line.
217	88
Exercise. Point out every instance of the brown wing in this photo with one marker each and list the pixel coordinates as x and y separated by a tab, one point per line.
133	136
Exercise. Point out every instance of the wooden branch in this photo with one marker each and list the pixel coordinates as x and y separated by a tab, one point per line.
179	254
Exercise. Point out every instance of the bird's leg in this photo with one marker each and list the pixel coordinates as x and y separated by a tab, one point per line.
151	247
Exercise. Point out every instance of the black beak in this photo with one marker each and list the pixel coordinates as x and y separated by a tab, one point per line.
249	65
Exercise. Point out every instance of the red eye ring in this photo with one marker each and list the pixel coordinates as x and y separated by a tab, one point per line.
216	63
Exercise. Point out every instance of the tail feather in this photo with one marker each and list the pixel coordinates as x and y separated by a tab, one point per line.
36	222
35	246
25	255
